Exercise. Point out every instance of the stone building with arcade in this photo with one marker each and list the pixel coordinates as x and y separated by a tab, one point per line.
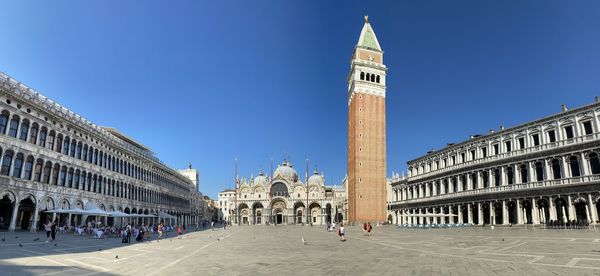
547	170
52	158
284	199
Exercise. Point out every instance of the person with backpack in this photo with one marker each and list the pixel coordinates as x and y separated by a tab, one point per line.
53	232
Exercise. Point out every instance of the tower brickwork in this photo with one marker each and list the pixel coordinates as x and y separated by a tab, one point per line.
366	130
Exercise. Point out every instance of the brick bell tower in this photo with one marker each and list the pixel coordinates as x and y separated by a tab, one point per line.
366	130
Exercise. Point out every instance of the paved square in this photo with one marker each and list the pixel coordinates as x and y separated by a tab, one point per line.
270	250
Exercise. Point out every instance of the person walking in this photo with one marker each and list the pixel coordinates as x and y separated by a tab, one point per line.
53	232
369	228
160	230
179	233
342	232
48	228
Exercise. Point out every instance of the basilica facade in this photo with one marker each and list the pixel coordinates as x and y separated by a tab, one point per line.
52	158
539	172
284	199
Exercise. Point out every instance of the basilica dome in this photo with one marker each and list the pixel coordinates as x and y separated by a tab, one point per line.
286	171
261	180
315	179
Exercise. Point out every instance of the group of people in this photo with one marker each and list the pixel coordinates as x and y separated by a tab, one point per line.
51	228
573	224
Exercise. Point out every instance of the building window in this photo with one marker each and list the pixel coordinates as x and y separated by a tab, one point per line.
587	128
463	157
6	161
574	165
43	133
484	152
521	143
523	169
14	125
3	121
496	149
28	168
362	75
556	169
510	176
539	171
453	160
18	166
594	163
508	146
497	178
536	140
473	155
24	131
34	134
551	136
569	132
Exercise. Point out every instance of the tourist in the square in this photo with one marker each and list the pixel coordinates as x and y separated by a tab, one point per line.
365	228
179	233
369	228
53	232
342	232
160	230
48	228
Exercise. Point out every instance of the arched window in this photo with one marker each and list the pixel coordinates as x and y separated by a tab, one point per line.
78	151
70	178
65	149
556	169
377	79
362	75
73	147
43	133
24	130
368	76
62	176
28	168
14	126
59	142
85	152
55	172
574	165
18	165
3	121
373	78
539	171
37	171
34	133
594	163
6	162
497	178
76	180
90	153
523	169
47	170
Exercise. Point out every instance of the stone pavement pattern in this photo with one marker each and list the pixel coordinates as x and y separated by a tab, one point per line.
270	250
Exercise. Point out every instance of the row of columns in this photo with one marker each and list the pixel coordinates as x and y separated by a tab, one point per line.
539	214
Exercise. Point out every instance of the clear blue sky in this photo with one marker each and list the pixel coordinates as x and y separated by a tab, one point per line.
208	81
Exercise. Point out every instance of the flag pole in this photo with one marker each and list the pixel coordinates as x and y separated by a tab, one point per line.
236	191
306	179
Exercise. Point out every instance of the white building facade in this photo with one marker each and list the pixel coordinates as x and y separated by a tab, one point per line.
543	171
52	158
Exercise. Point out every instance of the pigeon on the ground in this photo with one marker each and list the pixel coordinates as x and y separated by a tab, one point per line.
502	239
55	244
3	239
16	237
99	249
20	245
116	257
36	239
304	242
218	239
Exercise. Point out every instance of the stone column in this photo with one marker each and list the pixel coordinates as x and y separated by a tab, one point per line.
469	181
427	219
519	212
584	164
504	212
502	176
13	218
547	171
434	188
594	212
69	221
572	215
479	214
460	216
552	211
535	212
35	218
469	214
564	214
